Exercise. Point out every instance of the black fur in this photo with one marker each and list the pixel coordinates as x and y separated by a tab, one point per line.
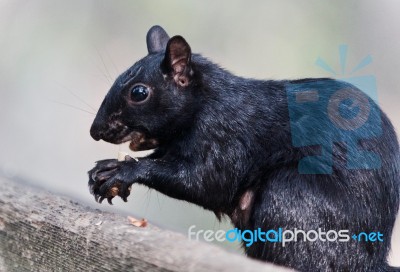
220	136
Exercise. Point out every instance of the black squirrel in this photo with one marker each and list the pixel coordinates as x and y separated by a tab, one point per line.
224	143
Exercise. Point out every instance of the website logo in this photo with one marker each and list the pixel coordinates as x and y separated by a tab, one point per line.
324	111
281	236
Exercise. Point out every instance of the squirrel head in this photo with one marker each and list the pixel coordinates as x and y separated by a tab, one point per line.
153	99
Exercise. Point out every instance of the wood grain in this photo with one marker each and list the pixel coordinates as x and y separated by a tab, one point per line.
40	231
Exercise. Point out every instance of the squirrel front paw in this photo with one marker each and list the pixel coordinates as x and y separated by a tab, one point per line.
108	179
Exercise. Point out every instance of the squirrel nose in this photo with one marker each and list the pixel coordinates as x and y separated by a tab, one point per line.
96	131
96	135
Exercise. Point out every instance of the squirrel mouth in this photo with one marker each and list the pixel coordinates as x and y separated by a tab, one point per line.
139	142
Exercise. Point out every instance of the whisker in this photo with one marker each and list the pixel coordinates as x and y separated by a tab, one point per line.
102	75
112	62
76	96
104	65
158	201
71	106
83	101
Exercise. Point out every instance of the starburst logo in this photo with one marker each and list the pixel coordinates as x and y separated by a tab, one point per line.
367	84
327	111
343	59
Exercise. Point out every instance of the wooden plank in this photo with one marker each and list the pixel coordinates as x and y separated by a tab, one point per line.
40	231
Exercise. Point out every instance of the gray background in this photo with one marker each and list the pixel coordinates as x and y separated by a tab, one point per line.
54	52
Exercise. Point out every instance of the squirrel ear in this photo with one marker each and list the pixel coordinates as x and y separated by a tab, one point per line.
177	60
156	39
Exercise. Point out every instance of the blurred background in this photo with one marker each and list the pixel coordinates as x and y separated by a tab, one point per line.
59	58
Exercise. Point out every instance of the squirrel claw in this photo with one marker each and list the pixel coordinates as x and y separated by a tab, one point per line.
106	180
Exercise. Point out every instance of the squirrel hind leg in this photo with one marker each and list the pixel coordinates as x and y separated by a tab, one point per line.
241	214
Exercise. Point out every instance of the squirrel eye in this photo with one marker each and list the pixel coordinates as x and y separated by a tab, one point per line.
139	93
